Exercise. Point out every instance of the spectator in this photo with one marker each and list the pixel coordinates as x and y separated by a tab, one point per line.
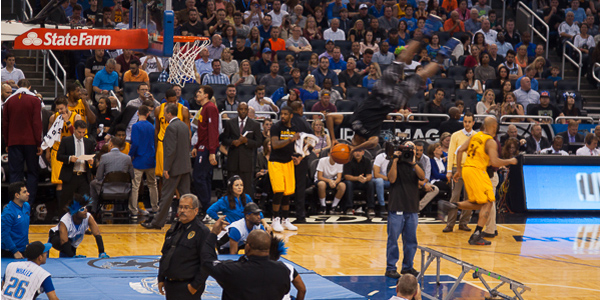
593	29
296	81
10	74
92	66
241	51
134	74
57	14
572	135
372	77
530	73
499	82
438	162
427	191
277	44
124	61
394	40
309	91
482	8
404	197
232	204
525	94
324	106
15	222
231	102
487	106
409	18
229	36
510	33
323	72
511	107
143	157
512	132
570	109
358	175
182	14
124	23
241	29
216	47
105	119
471	83
380	179
578	12
555	75
151	64
106	80
217	25
369	43
273	78
349	77
90	13
454	24
473	24
584	42
263	66
556	148
472	60
568	29
485	72
434	46
538	65
436	106
366	62
590	147
463	12
204	63
244	77
489	34
260	103
336	62
387	22
113	161
514	70
254	17
479	41
296	42
536	142
522	59
378	33
144	94
298	18
194	26
453	124
526	41
76	18
311	31
229	66
216	77
277	14
334	33
502	45
329	176
22	133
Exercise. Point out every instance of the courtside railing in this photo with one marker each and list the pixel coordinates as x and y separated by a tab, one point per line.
597	65
579	64
589	119
534	17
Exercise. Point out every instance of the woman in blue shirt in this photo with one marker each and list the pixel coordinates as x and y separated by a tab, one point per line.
309	91
232	204
438	166
374	75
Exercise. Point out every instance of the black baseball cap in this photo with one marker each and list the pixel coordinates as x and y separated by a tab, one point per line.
36	249
251	208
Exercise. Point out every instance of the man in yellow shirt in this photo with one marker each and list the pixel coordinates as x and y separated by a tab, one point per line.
457	139
481	151
135	74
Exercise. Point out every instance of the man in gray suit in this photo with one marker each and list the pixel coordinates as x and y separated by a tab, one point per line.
113	161
177	165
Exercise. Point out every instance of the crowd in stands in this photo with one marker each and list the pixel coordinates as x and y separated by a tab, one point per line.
326	56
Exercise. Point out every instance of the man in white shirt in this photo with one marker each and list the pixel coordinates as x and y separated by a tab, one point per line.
277	14
556	148
383	56
589	149
262	103
489	34
502	44
567	30
329	176
151	64
11	75
380	179
334	33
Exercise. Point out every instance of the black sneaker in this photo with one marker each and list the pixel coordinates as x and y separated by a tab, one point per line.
301	220
489	235
322	210
476	239
443	208
411	271
392	274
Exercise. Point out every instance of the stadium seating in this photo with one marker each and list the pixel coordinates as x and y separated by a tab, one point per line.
245	92
345	105
358	94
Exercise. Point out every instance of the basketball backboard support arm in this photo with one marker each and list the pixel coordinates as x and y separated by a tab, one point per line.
158	18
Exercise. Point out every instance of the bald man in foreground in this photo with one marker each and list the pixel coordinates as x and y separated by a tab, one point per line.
254	275
407	288
482	151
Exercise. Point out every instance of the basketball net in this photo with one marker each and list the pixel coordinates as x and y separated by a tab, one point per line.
181	65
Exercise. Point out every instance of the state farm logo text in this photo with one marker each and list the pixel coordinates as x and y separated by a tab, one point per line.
54	39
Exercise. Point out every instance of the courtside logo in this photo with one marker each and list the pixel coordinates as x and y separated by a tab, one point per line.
82	39
588	186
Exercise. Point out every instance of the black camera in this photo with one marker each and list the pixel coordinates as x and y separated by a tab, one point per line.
396	144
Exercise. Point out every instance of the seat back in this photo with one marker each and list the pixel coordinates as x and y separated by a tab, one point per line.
153	77
469	97
358	94
130	91
345	105
116	186
189	91
457	72
545	85
245	92
159	89
309	104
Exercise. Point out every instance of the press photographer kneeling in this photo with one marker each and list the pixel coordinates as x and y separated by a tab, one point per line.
403	206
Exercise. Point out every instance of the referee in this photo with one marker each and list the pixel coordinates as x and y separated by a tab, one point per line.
179	273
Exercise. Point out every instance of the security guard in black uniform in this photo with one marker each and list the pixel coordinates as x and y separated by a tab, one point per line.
253	276
180	272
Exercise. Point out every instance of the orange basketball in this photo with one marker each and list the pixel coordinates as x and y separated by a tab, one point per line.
341	153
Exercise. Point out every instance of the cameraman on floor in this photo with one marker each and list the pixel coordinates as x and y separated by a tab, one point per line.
403	216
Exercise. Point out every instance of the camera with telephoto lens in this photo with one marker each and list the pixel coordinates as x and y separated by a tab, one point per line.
396	143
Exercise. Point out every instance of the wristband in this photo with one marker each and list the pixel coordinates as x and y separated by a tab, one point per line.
100	244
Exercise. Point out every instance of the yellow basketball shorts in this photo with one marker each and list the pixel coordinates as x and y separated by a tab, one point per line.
282	177
478	185
159	159
56	166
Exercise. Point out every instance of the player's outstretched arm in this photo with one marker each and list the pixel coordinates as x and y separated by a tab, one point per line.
429	71
491	148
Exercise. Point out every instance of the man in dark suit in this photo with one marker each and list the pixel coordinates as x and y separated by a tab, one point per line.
177	165
536	142
453	124
571	135
75	173
243	136
113	161
129	116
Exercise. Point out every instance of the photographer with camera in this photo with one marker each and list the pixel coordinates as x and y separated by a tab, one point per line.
403	217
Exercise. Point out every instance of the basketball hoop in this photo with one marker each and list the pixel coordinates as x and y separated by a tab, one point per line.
185	51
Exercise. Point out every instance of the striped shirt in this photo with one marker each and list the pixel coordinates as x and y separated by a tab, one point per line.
215	79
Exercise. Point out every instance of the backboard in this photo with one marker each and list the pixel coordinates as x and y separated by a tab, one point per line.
157	17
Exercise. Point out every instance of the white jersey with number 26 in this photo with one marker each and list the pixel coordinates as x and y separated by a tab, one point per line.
22	280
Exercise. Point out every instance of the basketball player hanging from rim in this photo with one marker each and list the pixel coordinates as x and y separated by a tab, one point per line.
482	151
390	93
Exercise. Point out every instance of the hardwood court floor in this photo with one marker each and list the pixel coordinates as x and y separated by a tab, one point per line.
555	260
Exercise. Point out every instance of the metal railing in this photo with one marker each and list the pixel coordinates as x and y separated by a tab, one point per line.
445	116
272	113
394	116
310	113
503	118
546	38
590	119
503	12
597	65
27	6
57	65
578	65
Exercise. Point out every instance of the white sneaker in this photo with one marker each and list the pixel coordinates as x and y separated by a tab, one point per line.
359	210
288	225
143	212
276	225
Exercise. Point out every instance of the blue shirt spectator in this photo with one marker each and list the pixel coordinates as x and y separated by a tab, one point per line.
368	83
307	96
412	23
393	46
579	14
264	34
340	65
530	48
232	215
203	67
534	83
376	12
333	10
15	222
142	151
106	81
320	77
472	26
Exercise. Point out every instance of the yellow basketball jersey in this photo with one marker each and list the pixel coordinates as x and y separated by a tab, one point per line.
476	155
65	130
78	109
163	122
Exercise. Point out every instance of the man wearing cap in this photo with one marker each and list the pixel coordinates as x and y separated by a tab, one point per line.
26	279
263	65
363	14
324	105
545	108
235	234
329	46
180	273
15	222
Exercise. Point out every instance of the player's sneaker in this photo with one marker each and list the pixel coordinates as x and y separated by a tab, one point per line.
287	225
359	211
443	208
276	225
411	271
476	239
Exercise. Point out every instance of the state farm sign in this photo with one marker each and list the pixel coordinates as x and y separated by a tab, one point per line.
82	39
